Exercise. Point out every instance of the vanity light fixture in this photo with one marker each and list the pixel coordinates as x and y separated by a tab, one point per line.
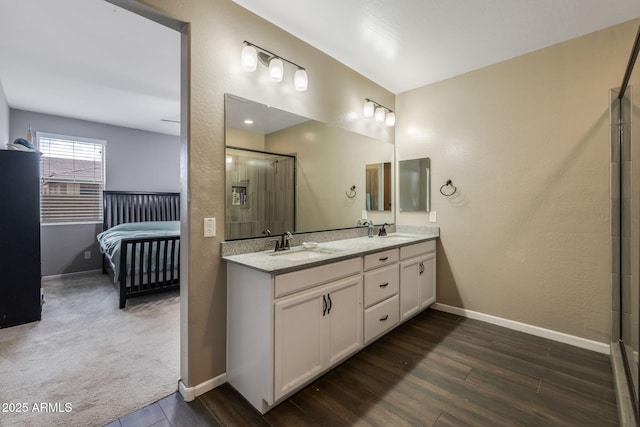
252	53
379	112
368	109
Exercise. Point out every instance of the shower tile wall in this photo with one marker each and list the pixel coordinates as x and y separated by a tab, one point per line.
621	208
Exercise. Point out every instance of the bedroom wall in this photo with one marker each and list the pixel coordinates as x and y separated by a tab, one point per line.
4	119
135	160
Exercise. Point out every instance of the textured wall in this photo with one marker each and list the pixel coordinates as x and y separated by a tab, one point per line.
336	93
526	142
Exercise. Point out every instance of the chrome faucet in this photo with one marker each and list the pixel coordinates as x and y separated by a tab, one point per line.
283	244
371	229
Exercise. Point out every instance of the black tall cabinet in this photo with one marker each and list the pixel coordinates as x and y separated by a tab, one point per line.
19	237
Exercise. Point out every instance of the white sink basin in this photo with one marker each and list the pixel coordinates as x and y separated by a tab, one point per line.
298	255
396	236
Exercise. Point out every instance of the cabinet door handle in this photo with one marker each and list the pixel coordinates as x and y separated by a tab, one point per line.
384	285
382	319
330	303
383	259
324	305
421	268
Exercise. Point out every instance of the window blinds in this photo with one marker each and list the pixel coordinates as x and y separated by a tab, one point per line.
72	179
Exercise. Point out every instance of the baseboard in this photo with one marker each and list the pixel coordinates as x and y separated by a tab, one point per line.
76	273
529	329
190	393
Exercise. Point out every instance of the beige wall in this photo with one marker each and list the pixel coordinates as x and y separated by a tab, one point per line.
243	139
526	142
329	161
336	93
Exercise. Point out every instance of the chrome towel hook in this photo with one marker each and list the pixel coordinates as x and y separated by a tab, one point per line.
352	192
448	184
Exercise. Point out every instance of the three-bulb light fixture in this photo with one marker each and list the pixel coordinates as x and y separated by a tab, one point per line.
379	112
252	53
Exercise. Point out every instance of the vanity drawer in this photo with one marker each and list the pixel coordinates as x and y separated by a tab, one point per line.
380	284
295	281
380	318
410	251
380	258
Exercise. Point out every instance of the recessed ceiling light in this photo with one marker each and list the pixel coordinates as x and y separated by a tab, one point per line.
248	121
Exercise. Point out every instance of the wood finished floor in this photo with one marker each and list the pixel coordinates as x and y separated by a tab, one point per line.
437	369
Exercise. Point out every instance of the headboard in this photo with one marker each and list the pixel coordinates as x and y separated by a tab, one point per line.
131	206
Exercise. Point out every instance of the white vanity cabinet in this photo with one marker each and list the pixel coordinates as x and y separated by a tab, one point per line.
381	284
287	326
314	330
417	278
284	330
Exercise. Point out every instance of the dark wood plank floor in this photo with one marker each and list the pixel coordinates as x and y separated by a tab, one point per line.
438	370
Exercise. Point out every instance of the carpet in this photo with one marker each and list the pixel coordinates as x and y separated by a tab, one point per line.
87	363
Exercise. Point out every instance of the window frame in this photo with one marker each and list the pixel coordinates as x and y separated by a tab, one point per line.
78	139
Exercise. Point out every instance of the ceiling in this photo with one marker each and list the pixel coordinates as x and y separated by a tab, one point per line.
402	45
102	63
90	60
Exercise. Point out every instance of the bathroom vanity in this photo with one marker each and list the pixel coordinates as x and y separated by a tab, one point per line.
293	315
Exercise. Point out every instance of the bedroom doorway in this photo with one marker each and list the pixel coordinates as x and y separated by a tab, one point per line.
86	350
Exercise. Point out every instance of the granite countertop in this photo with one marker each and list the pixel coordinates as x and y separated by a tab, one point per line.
298	257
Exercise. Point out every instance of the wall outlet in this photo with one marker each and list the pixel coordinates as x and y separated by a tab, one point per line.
432	216
209	227
87	254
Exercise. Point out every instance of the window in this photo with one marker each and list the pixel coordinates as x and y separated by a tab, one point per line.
71	178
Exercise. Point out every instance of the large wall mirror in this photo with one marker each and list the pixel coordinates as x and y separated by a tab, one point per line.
285	172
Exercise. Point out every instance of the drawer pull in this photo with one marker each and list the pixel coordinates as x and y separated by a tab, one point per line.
383	259
382	319
384	285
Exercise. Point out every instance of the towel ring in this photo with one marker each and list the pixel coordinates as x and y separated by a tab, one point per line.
448	184
352	192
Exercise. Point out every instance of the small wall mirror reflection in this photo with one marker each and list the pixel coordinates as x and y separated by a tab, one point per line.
378	187
415	185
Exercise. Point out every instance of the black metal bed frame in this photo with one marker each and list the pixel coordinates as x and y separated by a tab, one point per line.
129	206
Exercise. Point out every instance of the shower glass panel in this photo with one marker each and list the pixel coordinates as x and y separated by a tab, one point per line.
625	204
260	194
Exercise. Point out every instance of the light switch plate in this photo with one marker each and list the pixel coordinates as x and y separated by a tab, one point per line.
432	216
209	227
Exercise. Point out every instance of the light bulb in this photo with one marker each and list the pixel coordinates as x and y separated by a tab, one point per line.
379	114
390	119
367	110
276	69
300	80
249	58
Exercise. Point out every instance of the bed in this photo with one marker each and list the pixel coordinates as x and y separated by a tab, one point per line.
140	242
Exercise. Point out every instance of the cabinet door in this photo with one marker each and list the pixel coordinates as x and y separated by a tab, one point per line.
409	288
298	335
428	281
343	319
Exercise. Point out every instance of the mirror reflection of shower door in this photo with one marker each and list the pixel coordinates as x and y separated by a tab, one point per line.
280	194
260	193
